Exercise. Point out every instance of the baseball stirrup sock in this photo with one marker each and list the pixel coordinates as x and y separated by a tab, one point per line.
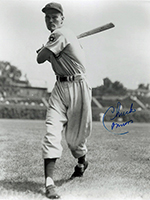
49	165
81	160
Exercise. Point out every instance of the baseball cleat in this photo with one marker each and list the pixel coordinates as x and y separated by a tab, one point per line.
51	193
79	171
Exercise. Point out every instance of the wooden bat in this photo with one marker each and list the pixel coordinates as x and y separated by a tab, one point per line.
96	30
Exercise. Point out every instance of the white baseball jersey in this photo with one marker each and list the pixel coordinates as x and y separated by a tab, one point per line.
69	56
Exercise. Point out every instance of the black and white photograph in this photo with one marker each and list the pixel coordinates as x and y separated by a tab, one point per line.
75	99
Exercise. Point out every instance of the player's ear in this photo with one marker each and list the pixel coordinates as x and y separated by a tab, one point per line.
62	18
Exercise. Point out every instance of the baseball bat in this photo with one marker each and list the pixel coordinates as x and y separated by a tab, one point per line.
96	30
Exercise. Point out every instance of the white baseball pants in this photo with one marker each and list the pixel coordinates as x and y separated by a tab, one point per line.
69	112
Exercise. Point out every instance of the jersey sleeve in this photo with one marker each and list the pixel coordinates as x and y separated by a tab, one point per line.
57	42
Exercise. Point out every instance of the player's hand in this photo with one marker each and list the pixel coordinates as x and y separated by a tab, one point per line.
37	51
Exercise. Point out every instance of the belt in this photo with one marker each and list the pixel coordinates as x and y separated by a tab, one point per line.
69	78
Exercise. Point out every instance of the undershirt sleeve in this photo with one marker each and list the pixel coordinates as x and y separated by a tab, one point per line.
57	42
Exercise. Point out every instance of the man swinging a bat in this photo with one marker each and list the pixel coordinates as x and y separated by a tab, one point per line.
69	108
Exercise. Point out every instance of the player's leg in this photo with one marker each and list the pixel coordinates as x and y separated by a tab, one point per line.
52	150
49	165
80	167
51	146
79	123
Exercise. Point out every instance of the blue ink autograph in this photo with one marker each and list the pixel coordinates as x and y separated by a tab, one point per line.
118	114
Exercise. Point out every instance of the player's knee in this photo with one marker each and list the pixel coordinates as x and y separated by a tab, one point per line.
72	147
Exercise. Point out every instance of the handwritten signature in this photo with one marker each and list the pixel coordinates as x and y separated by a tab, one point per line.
118	113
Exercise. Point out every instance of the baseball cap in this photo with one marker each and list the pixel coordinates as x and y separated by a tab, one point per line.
53	5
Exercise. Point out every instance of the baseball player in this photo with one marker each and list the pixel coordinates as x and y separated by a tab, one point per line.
69	108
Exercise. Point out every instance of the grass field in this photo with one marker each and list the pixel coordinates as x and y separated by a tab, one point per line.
119	165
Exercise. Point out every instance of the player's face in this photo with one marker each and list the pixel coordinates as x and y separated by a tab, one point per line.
53	19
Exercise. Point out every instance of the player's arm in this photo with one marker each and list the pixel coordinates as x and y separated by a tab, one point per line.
57	42
43	55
